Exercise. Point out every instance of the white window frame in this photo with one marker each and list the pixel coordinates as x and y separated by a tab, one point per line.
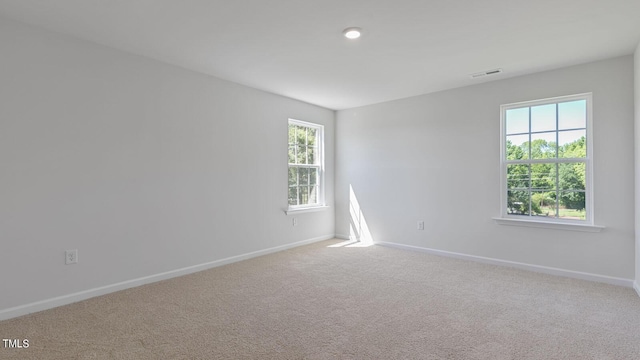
320	169
555	223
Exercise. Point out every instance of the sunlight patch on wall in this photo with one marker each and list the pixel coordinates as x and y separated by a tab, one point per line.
358	228
359	234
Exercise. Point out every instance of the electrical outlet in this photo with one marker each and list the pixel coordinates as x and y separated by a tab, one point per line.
420	225
295	222
71	257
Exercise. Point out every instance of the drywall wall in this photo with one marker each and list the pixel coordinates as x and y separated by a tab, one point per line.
435	158
637	162
143	167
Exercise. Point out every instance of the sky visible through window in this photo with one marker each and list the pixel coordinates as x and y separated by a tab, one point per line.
571	123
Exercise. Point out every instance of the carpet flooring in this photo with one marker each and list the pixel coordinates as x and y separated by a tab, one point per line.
328	301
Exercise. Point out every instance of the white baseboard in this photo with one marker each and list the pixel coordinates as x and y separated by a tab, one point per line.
102	290
636	287
343	237
536	268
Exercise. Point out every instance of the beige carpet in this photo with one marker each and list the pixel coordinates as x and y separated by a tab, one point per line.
321	302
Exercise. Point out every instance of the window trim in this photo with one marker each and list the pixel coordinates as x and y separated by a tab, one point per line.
306	209
555	223
321	204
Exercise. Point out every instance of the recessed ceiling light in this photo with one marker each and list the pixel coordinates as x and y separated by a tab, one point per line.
352	32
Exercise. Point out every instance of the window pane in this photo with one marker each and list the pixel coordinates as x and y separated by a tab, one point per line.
518	202
572	115
293	196
543	177
313	176
301	135
303	195
311	139
572	144
543	145
572	205
293	176
543	118
301	156
311	153
313	195
517	147
571	176
292	134
517	121
517	176
543	203
292	154
304	176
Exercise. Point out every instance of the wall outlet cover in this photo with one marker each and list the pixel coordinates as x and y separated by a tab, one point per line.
71	257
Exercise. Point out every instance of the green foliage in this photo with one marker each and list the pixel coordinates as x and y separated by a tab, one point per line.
576	149
302	145
541	149
542	177
543	199
518	203
516	152
535	185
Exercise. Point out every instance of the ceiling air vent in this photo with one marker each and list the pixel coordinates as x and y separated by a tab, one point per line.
486	73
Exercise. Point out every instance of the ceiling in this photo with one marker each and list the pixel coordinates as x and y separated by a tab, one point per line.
295	48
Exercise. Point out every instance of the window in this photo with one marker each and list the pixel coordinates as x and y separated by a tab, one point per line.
546	160
306	175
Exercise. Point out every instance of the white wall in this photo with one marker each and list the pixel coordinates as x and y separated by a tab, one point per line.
141	166
637	163
436	158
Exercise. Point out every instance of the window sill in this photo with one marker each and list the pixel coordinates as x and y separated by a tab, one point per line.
306	209
548	225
